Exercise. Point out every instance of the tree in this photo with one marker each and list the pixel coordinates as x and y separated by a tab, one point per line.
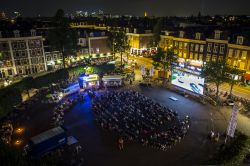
157	32
232	80
164	59
61	37
217	73
25	85
118	41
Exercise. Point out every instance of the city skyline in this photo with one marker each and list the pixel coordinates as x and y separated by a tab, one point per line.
138	7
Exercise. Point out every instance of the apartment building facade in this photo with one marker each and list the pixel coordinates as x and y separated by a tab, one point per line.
21	55
208	49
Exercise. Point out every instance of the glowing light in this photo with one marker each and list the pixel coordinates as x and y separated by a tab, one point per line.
18	142
19	130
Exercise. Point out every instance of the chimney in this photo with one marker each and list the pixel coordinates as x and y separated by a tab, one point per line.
33	32
16	33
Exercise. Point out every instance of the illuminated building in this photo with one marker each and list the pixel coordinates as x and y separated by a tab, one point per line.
141	44
21	55
216	47
54	60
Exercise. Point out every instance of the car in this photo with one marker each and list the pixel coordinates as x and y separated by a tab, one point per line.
180	80
230	102
195	88
202	85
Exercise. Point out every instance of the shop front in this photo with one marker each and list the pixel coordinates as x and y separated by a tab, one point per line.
247	78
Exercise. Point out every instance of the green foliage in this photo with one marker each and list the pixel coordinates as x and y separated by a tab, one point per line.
61	37
118	40
164	59
217	73
75	71
232	72
105	68
49	78
232	153
9	97
99	69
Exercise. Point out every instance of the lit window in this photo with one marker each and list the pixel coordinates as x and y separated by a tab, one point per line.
209	47
214	58
215	48
220	58
197	47
230	53
208	57
180	45
201	48
237	54
191	56
242	65
185	45
201	57
222	49
196	56
192	47
244	55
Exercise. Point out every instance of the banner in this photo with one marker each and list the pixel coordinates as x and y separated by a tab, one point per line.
143	70
233	121
151	72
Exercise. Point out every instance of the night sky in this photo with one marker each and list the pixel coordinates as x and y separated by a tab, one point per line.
134	7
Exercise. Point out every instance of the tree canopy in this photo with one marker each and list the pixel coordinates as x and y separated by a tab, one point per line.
164	59
61	37
217	73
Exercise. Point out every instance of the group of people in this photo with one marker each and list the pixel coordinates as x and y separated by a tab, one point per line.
138	118
58	112
224	96
6	132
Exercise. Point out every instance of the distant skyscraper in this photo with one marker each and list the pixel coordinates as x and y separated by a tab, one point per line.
145	14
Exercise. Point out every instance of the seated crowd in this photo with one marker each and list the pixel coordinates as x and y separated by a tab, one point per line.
138	118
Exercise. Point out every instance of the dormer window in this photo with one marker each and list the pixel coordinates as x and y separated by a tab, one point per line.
217	34
197	36
167	33
16	33
33	32
239	40
181	34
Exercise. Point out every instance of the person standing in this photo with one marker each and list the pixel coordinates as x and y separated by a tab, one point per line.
120	143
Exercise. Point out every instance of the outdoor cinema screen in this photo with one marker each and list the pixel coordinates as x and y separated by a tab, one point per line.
187	81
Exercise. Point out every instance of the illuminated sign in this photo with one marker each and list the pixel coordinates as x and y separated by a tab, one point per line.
93	77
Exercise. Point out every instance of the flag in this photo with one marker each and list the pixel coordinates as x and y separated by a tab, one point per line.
151	72
233	121
143	70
